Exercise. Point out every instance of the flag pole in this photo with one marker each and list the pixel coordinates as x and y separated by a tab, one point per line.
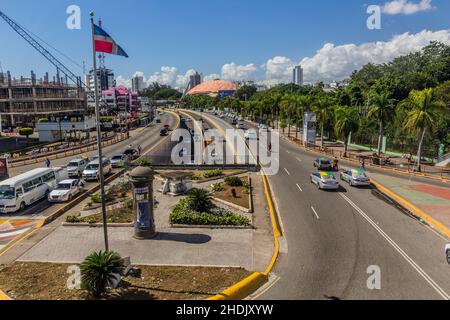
99	137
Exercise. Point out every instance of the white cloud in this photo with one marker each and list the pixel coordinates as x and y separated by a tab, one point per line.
406	7
232	71
337	62
331	62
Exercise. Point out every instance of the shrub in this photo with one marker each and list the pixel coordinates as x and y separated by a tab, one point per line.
145	162
234	181
246	185
73	219
180	215
99	271
198	200
212	173
95	198
26	132
217	187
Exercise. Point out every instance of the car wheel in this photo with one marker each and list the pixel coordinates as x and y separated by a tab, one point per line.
318	186
448	257
22	206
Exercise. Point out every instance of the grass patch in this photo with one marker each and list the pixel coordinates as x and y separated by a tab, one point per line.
48	281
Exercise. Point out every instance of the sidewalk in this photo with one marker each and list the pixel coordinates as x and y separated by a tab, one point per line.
433	200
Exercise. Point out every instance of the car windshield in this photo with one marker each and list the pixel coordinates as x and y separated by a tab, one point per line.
129	151
6	192
325	162
63	186
118	157
359	175
327	177
72	164
92	167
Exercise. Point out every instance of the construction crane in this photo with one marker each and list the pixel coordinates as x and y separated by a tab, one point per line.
51	58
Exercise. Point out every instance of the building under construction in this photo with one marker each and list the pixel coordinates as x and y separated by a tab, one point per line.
25	100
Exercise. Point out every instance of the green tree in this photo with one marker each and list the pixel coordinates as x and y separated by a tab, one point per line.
346	122
382	109
99	271
422	115
324	113
26	132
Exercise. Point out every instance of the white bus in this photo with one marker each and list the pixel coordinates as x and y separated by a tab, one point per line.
23	190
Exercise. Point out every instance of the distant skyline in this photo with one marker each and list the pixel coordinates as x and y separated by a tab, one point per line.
232	40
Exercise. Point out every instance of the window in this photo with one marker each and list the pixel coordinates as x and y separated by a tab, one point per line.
28	186
37	182
49	177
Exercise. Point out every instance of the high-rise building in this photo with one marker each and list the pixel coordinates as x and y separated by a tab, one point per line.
195	80
137	84
298	75
105	78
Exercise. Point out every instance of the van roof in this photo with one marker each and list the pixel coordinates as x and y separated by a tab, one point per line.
26	176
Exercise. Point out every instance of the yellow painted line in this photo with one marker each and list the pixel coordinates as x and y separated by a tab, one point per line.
4	296
415	210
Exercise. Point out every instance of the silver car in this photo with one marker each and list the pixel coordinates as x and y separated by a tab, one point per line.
324	181
355	177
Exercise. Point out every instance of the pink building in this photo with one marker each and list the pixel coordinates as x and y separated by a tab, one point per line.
122	99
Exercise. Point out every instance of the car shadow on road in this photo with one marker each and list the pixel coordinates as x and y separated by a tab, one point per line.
182	237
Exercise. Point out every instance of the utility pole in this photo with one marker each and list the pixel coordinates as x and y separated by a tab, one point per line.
99	138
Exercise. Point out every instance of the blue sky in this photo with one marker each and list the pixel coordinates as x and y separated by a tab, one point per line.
254	39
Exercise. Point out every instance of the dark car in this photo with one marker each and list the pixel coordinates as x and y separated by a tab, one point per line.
158	120
323	164
131	154
163	132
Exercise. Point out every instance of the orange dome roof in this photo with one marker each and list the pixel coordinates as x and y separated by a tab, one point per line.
213	86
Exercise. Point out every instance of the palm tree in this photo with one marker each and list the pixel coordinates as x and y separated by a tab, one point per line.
324	113
423	113
346	122
381	108
199	200
99	271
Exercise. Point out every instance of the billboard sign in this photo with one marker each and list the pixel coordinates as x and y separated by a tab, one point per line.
309	128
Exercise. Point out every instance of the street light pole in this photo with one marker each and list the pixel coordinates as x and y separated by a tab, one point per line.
99	138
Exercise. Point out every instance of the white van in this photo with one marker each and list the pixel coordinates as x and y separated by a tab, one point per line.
91	172
23	190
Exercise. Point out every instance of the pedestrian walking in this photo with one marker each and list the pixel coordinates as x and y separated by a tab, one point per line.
47	162
363	165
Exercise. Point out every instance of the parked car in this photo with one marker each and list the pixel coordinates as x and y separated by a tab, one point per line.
91	172
66	190
447	252
355	177
324	180
158	120
240	125
118	160
323	164
76	167
234	122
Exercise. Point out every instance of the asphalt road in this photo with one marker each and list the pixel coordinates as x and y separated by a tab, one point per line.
334	240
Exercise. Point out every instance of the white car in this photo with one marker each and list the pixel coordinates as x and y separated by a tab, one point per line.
76	167
91	172
240	125
250	135
355	177
66	190
324	180
447	252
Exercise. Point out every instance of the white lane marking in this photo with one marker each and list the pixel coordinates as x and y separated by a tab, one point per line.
419	270
288	151
315	212
298	159
300	188
288	173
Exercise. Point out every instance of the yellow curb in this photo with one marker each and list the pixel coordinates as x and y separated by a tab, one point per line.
413	209
252	283
4	296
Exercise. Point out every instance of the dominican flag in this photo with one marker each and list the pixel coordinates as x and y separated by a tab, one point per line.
104	43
